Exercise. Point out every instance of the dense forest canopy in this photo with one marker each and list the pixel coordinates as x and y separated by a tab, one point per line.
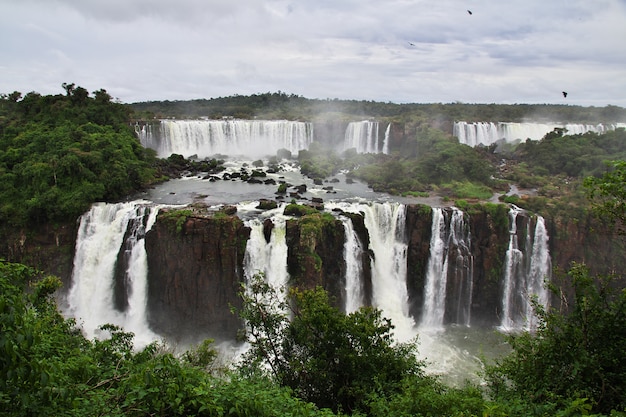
293	107
61	153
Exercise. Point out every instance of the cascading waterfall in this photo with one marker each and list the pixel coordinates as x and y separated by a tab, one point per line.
352	253
204	138
461	266
450	258
540	270
385	223
386	141
486	133
436	274
268	258
512	274
105	231
364	137
524	274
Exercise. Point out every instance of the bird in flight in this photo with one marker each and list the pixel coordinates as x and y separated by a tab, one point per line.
411	43
470	12
564	93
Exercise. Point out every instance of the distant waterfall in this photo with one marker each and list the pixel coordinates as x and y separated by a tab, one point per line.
486	133
364	136
352	253
450	257
386	141
525	272
204	138
111	238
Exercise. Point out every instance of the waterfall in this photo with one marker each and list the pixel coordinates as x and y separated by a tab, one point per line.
363	136
486	133
352	253
461	267
525	273
540	270
204	138
512	273
436	274
385	223
386	141
450	258
110	237
267	257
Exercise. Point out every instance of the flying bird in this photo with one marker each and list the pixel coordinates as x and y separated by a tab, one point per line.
564	93
470	12
411	43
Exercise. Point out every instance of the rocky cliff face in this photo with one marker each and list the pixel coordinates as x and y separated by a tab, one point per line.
315	253
195	260
195	273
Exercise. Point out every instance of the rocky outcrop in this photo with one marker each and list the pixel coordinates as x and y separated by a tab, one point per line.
48	248
195	274
315	253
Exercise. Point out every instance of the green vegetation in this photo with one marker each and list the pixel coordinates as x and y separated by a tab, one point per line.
578	358
280	105
307	358
434	161
175	218
48	368
59	154
608	194
348	363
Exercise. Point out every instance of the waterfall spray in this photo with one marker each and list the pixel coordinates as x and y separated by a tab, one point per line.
99	242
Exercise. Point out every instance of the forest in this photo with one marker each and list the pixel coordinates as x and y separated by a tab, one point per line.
61	153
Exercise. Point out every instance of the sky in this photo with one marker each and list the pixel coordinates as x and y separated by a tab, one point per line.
399	51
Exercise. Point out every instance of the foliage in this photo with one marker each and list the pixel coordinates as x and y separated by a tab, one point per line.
281	105
608	193
48	368
59	154
176	218
334	360
573	356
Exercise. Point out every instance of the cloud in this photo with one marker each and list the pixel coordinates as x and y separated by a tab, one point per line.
514	51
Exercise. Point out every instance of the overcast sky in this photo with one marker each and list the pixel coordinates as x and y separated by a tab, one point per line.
401	51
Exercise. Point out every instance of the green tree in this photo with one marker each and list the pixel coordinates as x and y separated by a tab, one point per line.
578	357
334	360
608	194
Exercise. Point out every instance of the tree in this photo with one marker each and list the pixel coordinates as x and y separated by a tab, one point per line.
608	194
334	360
575	358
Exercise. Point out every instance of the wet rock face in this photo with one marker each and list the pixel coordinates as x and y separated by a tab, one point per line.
195	274
315	254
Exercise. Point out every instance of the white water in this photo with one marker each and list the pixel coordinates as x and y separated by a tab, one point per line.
540	271
525	275
352	252
486	133
436	275
385	223
364	137
204	138
100	238
449	254
268	258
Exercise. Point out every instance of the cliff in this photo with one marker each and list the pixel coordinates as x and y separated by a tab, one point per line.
195	260
195	267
